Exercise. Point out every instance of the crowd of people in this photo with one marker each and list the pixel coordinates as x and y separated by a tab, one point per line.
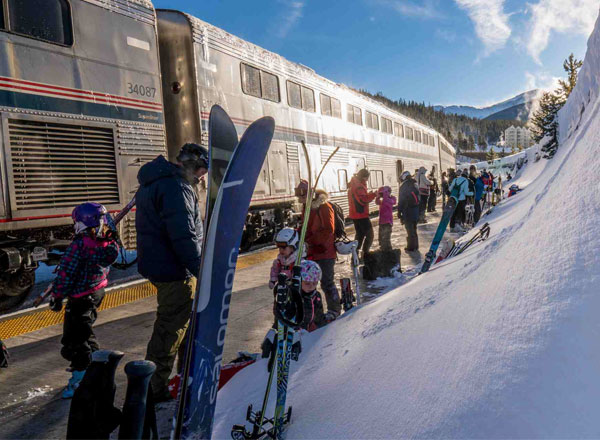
170	234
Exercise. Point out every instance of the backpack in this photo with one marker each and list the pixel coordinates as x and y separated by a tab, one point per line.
339	221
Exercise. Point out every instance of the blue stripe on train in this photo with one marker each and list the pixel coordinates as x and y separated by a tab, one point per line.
46	103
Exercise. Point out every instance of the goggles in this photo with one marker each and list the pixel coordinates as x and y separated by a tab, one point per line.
281	245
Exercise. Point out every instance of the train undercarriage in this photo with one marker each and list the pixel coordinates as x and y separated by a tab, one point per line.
262	224
20	255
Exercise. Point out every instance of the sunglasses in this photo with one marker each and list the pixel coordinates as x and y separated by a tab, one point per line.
281	245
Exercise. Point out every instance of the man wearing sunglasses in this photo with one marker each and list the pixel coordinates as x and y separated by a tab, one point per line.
169	238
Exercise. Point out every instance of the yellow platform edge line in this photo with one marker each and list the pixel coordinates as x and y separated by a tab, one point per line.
33	321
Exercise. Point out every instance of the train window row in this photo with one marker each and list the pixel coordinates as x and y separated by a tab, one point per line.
47	20
262	84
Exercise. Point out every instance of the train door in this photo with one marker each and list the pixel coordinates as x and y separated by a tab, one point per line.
262	183
399	169
278	166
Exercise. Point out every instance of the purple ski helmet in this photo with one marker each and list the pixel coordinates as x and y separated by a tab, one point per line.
88	215
311	272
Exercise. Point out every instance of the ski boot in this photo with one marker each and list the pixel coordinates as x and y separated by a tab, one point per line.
74	381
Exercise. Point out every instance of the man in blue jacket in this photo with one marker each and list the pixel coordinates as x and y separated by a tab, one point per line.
479	187
169	239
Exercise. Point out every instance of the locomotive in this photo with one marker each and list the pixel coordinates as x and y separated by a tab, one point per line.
90	90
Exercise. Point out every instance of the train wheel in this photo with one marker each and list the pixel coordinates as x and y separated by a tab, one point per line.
15	289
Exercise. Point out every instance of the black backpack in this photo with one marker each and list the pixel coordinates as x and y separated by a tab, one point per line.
340	222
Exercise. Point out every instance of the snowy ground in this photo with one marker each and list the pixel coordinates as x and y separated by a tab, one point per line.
499	342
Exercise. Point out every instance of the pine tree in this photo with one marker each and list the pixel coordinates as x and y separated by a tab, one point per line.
491	156
471	143
571	66
544	123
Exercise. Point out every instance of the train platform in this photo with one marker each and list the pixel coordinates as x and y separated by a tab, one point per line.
30	403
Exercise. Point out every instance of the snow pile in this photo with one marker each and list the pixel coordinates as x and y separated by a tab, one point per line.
498	342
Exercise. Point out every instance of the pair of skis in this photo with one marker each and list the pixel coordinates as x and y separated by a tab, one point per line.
234	169
481	235
285	340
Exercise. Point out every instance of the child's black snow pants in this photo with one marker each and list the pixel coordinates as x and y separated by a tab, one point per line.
79	340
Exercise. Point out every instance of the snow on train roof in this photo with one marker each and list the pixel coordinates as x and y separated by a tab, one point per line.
203	32
142	10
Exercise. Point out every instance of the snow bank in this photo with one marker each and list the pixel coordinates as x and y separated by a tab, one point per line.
499	342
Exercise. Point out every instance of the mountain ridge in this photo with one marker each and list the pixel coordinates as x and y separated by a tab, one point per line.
523	100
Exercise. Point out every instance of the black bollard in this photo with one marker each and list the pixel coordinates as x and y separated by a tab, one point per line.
92	414
135	410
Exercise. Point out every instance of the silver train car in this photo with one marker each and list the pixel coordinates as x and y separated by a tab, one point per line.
90	90
80	111
203	65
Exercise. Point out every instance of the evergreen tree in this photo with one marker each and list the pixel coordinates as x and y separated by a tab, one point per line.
471	143
544	123
571	66
491	156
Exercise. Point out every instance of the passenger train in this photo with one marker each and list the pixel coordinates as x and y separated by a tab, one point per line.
90	90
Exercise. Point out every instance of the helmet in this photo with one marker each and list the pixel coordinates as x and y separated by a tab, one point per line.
88	215
287	236
405	175
301	189
311	272
514	186
193	154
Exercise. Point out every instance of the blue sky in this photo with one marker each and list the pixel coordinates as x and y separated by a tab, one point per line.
471	52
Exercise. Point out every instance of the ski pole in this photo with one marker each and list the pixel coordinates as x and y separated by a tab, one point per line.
355	264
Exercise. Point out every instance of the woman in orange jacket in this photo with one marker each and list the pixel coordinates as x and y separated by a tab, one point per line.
358	202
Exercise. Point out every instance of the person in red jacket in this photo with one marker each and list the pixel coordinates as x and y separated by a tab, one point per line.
320	242
358	201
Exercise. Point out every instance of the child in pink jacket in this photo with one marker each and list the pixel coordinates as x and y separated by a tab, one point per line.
386	202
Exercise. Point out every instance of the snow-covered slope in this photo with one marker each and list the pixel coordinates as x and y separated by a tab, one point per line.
499	342
526	98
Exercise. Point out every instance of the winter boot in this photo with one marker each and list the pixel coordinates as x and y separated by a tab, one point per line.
74	381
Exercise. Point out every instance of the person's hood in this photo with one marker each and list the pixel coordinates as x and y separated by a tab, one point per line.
321	197
422	170
159	168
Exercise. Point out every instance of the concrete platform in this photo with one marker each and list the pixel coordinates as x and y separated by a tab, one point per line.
30	404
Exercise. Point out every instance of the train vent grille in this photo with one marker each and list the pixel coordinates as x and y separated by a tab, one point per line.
60	165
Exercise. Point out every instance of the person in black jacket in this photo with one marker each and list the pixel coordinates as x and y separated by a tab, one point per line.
169	238
408	210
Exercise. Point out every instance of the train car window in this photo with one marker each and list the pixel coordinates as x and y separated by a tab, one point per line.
425	138
325	104
251	81
269	86
386	125
308	99
372	120
418	136
48	20
294	95
410	134
343	180
432	139
354	115
398	129
358	116
376	179
2	15
336	108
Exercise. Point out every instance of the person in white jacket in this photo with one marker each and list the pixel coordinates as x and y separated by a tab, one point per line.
462	182
423	183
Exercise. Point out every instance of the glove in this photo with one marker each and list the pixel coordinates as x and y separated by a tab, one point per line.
268	344
111	234
56	304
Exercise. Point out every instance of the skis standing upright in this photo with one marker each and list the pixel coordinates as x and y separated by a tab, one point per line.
439	233
222	143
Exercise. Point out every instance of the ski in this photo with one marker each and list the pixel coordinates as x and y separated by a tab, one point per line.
441	229
198	389
481	235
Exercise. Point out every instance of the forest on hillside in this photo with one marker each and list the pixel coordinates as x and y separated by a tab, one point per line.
463	132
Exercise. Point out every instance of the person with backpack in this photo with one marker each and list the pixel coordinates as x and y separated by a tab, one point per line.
386	202
408	210
478	186
424	184
445	186
459	213
433	193
358	202
320	242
